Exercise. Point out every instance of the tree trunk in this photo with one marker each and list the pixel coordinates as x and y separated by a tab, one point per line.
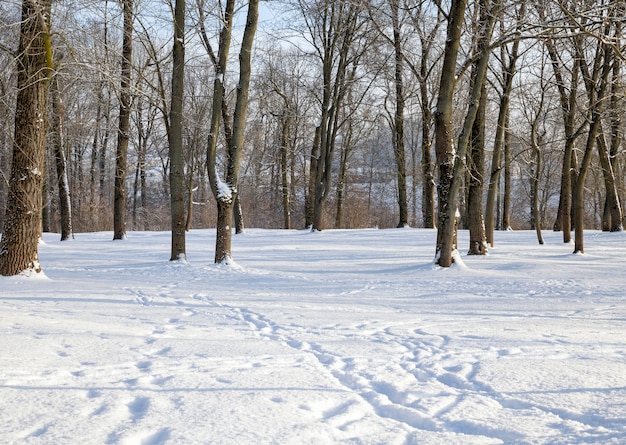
506	199
596	88
451	161
121	153
65	203
476	158
226	192
568	102
398	126
444	142
508	74
341	181
284	167
22	223
222	195
428	177
536	218
176	149
238	215
535	140
612	218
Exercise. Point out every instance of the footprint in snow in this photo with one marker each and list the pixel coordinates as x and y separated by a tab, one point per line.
138	408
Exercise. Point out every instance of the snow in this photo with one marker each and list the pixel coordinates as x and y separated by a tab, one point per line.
339	337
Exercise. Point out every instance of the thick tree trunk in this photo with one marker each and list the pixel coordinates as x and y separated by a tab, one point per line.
217	186
453	165
175	134
226	192
444	141
223	250
121	153
22	223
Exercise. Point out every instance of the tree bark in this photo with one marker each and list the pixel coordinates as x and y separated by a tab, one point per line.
568	102
284	169
596	85
398	127
451	161
476	158
536	170
508	74
65	203
22	223
444	142
121	153
175	135
225	192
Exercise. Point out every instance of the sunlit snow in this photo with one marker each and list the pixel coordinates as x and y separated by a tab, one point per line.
316	338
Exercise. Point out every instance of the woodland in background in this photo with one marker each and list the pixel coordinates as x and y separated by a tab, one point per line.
343	104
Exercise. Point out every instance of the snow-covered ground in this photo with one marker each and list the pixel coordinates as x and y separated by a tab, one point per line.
316	338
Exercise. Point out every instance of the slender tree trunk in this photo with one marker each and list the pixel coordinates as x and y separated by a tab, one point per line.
284	169
22	223
476	158
612	218
346	148
506	198
535	140
535	193
508	74
568	101
617	133
398	126
238	215
65	203
94	156
121	154
596	88
176	149
428	178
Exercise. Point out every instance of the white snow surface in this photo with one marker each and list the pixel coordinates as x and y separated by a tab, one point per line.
335	337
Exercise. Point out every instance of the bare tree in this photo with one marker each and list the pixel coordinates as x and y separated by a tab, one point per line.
225	192
333	27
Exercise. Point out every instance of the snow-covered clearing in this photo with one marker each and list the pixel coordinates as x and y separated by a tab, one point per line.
332	337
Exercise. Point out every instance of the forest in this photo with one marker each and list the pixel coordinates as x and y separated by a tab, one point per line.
484	115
